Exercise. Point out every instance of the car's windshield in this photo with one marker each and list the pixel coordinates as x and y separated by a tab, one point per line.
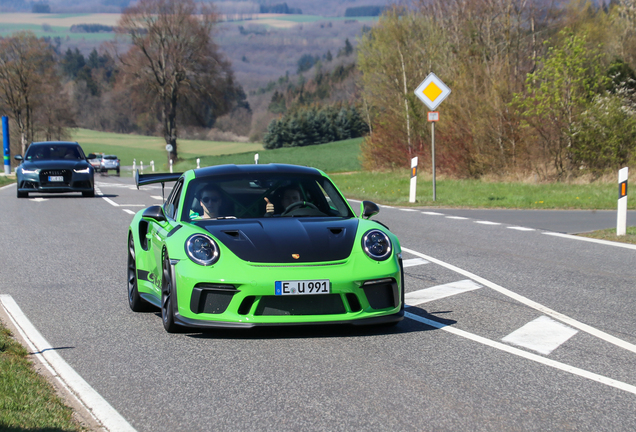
54	152
263	195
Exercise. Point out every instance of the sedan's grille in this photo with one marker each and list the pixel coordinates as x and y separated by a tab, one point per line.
323	304
46	174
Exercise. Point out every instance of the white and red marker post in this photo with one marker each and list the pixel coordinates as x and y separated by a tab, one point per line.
621	220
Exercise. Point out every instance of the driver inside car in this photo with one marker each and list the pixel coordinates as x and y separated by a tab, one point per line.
289	196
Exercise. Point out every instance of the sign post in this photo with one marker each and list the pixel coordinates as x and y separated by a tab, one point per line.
621	220
7	145
432	91
169	149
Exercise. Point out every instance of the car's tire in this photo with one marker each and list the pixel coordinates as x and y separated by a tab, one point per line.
136	303
23	194
117	172
167	290
89	194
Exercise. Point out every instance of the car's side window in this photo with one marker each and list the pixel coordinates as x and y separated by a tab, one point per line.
171	208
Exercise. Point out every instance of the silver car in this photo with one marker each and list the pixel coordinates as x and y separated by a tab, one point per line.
109	162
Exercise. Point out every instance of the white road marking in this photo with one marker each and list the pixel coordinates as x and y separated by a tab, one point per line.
521	299
440	291
156	197
413	262
39	199
129	211
520	228
591	240
66	375
408	210
487	223
433	213
527	355
542	335
8	186
109	201
456	217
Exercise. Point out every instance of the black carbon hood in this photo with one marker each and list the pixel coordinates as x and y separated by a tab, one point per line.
279	239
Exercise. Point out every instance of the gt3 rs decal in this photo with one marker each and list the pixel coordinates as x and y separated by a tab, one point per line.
149	277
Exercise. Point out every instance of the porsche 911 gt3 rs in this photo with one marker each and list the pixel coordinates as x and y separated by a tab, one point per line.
261	245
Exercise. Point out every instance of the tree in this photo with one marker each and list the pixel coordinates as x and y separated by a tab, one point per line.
27	83
559	92
174	60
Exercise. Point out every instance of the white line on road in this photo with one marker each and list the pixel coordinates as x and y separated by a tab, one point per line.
129	211
96	404
440	291
413	262
487	223
157	197
433	213
518	228
456	217
521	299
530	356
408	210
542	335
591	240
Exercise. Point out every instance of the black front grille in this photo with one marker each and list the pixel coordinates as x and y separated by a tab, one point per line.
45	174
211	298
381	294
321	304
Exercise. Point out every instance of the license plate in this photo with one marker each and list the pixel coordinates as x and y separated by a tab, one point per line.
56	178
302	287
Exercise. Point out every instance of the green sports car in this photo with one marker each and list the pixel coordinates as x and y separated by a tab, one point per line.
261	245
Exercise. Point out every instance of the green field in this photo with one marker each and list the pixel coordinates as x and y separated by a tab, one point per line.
145	148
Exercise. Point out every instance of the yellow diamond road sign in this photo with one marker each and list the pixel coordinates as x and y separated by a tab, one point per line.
432	91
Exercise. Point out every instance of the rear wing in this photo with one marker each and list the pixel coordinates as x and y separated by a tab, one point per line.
145	179
163	178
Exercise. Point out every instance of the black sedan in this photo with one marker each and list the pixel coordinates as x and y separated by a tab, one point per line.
55	167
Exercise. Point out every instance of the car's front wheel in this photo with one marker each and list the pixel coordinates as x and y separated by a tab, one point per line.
136	303
167	290
89	194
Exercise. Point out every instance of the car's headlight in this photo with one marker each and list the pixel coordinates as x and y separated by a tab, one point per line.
376	244
202	249
26	171
83	171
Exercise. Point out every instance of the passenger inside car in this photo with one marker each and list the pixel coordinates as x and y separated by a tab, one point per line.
209	203
288	196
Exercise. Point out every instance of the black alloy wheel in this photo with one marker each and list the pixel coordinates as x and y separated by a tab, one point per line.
167	314
136	303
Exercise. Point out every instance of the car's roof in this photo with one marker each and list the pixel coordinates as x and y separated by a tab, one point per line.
53	142
255	169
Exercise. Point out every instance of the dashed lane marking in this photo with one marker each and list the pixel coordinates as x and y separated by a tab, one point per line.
456	217
487	223
542	335
413	262
518	228
524	354
433	213
129	211
440	291
65	374
408	210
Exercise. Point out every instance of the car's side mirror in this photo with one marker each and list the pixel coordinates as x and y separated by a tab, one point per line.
91	156
368	209
17	157
155	213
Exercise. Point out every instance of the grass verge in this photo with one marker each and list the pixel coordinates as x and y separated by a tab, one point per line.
4	180
27	400
610	234
392	188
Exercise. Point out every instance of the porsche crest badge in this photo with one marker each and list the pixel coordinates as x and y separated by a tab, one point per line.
295	256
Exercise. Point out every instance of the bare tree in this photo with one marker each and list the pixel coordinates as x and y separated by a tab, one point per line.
174	61
26	66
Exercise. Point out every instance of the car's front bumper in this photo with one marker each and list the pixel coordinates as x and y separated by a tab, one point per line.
361	293
73	182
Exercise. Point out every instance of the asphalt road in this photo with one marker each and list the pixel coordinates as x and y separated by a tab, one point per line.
455	363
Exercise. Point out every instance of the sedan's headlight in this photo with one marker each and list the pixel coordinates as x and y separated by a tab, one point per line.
83	171
26	171
376	244
202	249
